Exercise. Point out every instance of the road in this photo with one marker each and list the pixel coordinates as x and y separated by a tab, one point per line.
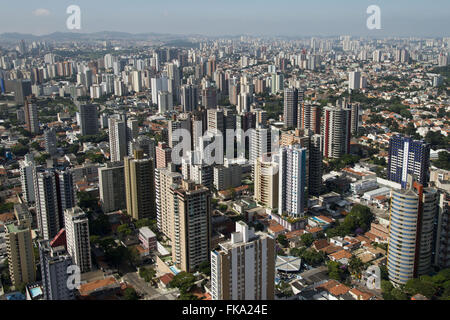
149	292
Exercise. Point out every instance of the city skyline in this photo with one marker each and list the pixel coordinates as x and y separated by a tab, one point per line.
285	18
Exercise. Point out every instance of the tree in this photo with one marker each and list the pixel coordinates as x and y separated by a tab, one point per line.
307	239
20	150
336	271
356	265
147	274
124	230
183	281
443	161
185	296
282	240
205	267
422	286
130	294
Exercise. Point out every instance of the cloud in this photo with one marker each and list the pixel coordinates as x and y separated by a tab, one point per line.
41	12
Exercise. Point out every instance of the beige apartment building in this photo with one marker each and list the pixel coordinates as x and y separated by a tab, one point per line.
140	186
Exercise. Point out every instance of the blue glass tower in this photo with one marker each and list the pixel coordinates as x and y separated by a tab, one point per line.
408	156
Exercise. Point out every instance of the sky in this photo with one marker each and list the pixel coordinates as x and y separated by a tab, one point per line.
231	17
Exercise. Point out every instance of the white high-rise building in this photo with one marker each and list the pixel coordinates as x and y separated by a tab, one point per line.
354	80
54	266
137	81
157	85
165	102
293	178
117	139
27	167
77	237
244	267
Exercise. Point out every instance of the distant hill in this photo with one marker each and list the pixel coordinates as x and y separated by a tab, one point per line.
104	35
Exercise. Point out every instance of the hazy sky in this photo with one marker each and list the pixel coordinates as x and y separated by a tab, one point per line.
231	17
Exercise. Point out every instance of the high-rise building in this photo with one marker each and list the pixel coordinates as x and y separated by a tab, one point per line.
266	181
143	143
31	115
310	117
140	187
354	80
112	187
163	155
315	165
137	81
55	263
54	192
165	178
22	89
165	102
336	131
77	238
209	98
189	98
50	141
411	231
227	176
19	244
191	212
355	117
408	156
260	143
47	204
244	267
442	250
117	139
291	107
88	116
293	165
27	167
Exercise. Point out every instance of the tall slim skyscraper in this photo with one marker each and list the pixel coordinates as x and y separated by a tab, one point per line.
47	204
291	107
209	98
54	192
117	139
55	263
140	187
411	231
50	141
163	155
315	165
165	178
189	98
355	117
19	244
88	116
310	117
293	179
77	238
442	250
27	167
266	182
191	211
354	80
112	187
31	115
336	131
244	267
408	156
